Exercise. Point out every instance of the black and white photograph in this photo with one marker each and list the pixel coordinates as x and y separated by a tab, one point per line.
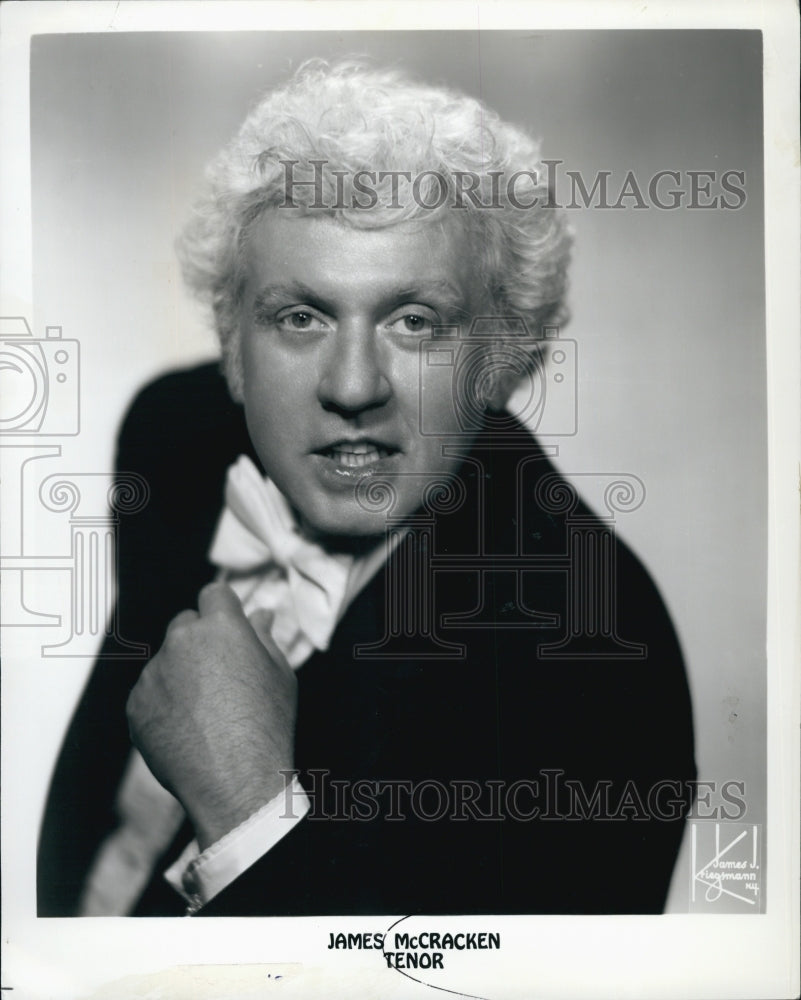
399	450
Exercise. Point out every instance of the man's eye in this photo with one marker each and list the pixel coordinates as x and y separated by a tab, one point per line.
300	321
412	323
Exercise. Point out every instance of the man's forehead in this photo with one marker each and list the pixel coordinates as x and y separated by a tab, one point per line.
288	252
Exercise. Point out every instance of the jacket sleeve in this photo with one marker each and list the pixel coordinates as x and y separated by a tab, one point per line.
179	434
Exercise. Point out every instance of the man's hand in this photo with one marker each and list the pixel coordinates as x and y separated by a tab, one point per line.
213	713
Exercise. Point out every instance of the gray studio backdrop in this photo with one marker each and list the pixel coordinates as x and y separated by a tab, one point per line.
668	305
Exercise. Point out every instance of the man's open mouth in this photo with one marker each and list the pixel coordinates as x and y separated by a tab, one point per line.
357	454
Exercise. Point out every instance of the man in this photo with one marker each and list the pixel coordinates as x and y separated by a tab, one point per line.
426	677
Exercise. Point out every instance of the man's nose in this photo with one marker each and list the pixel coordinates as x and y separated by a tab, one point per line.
353	377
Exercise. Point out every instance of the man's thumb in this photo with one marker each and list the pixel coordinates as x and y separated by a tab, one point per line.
262	621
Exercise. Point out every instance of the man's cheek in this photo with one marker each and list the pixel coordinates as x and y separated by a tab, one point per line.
266	412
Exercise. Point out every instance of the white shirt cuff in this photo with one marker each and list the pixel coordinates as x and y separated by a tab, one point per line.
200	877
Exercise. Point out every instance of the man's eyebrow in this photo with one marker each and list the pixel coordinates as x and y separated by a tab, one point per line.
281	294
445	292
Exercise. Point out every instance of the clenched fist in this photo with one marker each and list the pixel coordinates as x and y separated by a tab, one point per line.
213	713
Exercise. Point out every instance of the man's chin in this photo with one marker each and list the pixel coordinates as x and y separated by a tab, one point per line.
344	531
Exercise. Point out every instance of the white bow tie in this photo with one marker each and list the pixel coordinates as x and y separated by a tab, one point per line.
270	565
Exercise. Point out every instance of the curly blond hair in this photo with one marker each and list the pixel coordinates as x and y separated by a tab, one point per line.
332	121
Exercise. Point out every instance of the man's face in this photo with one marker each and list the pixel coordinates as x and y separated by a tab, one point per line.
332	321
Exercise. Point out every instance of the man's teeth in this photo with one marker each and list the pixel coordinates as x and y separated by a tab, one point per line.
354	456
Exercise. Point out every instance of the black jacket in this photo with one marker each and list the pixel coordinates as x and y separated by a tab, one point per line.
579	748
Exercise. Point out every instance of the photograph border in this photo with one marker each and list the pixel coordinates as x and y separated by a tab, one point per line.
573	956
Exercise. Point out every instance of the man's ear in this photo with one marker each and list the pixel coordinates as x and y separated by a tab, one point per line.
517	366
501	390
231	364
